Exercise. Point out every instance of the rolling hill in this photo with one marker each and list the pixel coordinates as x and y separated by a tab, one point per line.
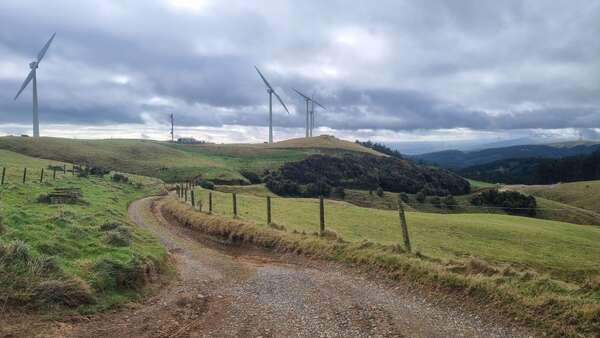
173	162
456	159
585	194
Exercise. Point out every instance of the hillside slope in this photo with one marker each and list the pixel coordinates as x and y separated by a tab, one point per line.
585	194
173	162
456	159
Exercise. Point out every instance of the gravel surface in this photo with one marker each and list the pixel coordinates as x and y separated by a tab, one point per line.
247	292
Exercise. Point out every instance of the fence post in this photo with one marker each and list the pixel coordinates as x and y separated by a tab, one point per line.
42	176
210	202
54	173
321	216
268	210
193	199
403	225
185	194
3	174
64	169
234	197
73	169
24	174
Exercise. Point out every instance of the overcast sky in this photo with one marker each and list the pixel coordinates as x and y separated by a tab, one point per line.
393	71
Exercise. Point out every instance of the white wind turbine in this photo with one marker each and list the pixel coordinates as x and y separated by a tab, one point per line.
310	112
32	76
271	92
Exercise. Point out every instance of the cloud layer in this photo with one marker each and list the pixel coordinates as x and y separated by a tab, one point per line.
400	66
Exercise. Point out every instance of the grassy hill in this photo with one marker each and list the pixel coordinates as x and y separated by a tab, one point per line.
585	194
173	162
79	257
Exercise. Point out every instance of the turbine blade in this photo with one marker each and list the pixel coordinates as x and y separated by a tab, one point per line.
318	104
45	48
25	83
299	93
263	78
281	101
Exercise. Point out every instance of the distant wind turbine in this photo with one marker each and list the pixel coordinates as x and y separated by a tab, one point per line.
310	112
271	92
32	76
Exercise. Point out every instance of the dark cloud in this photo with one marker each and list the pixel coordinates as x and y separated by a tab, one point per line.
398	65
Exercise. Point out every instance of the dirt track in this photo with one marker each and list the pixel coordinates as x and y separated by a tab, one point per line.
244	292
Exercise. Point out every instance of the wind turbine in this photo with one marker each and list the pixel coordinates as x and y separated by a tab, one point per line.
32	76
271	92
310	112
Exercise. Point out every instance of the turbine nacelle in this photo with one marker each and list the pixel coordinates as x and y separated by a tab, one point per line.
33	65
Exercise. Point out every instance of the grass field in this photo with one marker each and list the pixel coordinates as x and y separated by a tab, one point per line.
176	162
14	164
566	251
79	257
585	195
478	185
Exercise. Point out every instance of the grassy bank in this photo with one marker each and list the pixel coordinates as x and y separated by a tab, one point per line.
557	307
80	257
585	194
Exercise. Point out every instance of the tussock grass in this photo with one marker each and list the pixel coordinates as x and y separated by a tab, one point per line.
557	307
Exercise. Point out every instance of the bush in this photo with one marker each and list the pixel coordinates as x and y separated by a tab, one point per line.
109	226
207	185
339	192
404	198
435	201
421	196
98	171
450	202
251	176
119	178
510	201
380	192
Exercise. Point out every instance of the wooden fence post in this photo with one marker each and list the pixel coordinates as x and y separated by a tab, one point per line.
234	197
54	173
403	225
185	194
210	202
3	174
193	198
73	169
268	210
64	169
24	174
42	176
321	216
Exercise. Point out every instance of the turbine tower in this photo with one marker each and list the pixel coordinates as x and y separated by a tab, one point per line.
271	92
32	76
172	134
310	112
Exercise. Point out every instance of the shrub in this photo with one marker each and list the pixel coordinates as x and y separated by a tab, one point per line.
43	198
119	178
435	201
109	226
339	192
380	192
251	176
404	198
450	202
207	185
510	201
98	171
421	196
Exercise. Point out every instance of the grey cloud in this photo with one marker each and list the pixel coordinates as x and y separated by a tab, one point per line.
459	64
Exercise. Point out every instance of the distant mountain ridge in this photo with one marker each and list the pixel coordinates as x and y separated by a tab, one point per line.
456	159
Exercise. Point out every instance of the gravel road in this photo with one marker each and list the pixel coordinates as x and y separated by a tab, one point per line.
247	292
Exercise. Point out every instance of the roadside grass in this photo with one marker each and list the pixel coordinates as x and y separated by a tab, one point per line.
75	258
506	284
584	194
565	251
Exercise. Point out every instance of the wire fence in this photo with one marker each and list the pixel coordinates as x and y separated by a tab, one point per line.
22	175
